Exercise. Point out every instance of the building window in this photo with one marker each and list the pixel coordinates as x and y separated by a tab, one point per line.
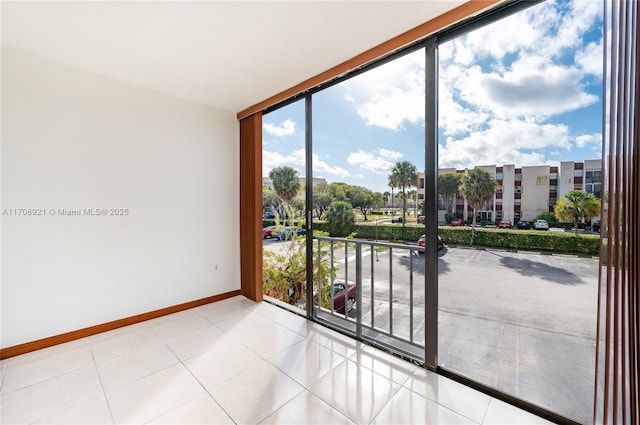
553	176
499	176
593	188
517	202
517	189
553	189
593	176
518	177
577	173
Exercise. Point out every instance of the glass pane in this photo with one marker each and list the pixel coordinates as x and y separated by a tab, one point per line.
363	129
522	99
283	204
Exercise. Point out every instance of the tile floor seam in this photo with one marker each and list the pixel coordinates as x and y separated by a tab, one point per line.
448	408
388	401
104	392
77	368
484	417
55	412
110	390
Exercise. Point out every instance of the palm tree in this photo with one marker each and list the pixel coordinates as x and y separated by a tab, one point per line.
477	187
577	205
285	182
448	185
393	183
406	175
385	196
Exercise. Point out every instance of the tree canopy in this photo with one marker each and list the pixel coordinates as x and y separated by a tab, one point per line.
477	187
448	185
404	175
577	205
285	182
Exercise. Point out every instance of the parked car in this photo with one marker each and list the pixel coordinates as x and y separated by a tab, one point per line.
269	215
342	292
421	219
457	222
421	243
267	232
287	233
396	220
504	224
524	224
541	225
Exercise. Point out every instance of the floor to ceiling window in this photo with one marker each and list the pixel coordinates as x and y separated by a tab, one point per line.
284	204
520	113
368	160
453	190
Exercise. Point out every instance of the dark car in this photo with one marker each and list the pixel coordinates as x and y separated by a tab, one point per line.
421	219
504	224
267	232
396	220
457	222
343	293
524	224
421	243
287	233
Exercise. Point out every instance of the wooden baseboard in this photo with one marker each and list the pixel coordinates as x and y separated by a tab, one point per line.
39	344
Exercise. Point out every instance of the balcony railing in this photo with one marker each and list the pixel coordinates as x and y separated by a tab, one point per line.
389	296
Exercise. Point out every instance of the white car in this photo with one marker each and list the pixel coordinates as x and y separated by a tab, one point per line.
541	225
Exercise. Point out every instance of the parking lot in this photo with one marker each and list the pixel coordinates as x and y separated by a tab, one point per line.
520	322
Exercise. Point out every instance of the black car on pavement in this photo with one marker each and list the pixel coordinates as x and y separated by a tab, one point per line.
524	224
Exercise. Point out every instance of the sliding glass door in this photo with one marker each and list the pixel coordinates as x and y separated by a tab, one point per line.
443	203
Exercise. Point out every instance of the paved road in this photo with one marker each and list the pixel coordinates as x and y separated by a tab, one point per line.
520	322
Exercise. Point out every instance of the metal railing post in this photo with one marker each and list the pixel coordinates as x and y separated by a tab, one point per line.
358	290
391	291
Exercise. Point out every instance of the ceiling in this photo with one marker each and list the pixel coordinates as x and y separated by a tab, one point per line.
230	55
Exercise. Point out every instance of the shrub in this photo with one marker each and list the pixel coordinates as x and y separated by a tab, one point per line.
284	272
340	219
524	240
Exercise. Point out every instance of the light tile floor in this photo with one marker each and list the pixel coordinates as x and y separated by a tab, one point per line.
234	361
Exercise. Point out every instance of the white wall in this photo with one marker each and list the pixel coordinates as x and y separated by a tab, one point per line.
73	139
508	192
535	191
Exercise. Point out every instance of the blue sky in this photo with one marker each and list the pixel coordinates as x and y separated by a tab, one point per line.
526	91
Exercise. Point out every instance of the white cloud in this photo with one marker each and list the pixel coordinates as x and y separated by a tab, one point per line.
500	85
271	160
296	159
589	139
371	162
526	90
504	142
590	59
389	154
391	94
321	166
287	128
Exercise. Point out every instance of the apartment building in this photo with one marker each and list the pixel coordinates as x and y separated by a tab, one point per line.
526	192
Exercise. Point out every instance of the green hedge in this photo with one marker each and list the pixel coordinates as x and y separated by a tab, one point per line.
530	240
526	240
